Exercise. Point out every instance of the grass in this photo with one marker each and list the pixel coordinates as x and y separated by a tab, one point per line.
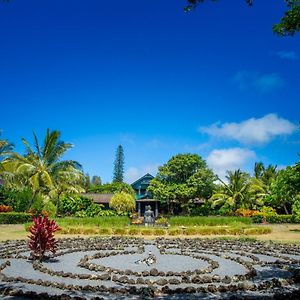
208	221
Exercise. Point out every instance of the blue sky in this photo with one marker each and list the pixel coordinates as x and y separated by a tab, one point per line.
159	81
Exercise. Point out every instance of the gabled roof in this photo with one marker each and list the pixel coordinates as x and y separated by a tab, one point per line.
143	177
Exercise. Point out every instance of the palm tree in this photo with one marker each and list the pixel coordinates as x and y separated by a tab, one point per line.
6	148
235	192
43	168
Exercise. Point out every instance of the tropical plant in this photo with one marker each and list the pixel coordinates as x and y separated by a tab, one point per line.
43	168
42	238
234	193
6	148
122	202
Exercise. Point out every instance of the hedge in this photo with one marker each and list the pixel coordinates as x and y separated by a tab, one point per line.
275	219
15	218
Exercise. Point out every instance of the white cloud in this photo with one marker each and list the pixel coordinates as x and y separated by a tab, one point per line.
252	131
290	55
134	173
264	83
222	160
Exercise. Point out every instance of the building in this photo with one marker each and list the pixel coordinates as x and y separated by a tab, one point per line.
143	197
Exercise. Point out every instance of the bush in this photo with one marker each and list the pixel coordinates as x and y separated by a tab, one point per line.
42	237
133	231
159	231
243	212
15	218
209	221
120	231
296	208
49	209
70	205
5	208
174	231
18	200
122	202
274	219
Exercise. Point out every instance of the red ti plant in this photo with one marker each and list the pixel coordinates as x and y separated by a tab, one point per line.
42	238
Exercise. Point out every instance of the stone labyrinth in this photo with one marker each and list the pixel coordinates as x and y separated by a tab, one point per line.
131	268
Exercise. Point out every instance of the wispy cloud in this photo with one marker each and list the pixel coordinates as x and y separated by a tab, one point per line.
134	173
223	160
290	55
252	131
264	83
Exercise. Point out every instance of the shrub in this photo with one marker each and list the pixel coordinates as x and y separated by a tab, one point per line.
105	231
159	231
122	202
15	218
120	231
5	208
70	205
49	209
147	231
162	221
42	238
133	231
174	231
190	231
243	212
296	207
274	219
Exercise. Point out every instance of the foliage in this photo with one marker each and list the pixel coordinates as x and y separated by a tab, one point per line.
112	188
234	193
42	168
18	199
49	210
275	219
181	180
71	204
14	218
122	202
162	221
118	175
6	149
244	212
5	208
296	208
289	23
207	221
42	238
285	188
96	180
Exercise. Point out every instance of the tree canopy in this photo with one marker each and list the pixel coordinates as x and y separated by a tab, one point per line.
289	23
181	180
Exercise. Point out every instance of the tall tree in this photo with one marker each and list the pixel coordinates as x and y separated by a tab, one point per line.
118	175
288	25
234	193
96	180
181	180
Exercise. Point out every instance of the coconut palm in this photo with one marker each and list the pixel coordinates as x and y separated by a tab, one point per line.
234	193
43	168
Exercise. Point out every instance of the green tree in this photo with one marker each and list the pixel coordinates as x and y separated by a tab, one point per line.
6	148
286	188
288	25
122	202
43	168
96	180
118	175
234	194
182	179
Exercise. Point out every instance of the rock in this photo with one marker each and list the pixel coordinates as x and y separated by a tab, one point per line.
153	272
161	281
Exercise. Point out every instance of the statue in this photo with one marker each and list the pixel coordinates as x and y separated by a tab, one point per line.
149	216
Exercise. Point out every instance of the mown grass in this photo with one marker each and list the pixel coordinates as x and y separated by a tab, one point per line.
208	221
